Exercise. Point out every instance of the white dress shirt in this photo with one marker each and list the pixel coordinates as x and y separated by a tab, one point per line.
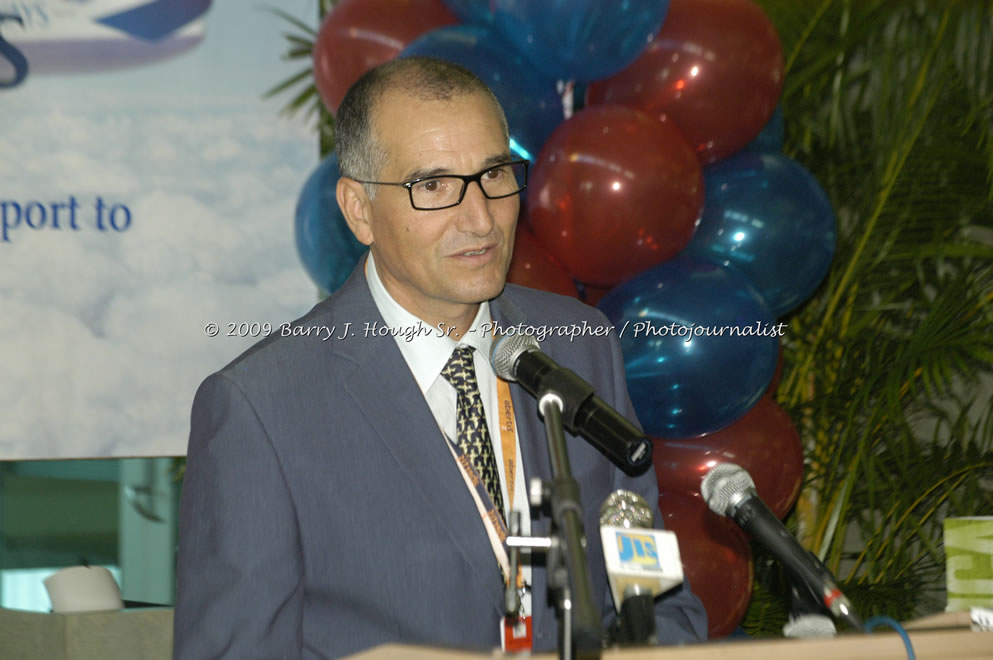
426	351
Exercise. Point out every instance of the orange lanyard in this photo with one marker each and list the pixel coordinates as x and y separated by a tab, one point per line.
508	438
495	527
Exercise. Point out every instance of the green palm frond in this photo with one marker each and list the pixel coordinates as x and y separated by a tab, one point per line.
294	21
890	105
304	96
305	75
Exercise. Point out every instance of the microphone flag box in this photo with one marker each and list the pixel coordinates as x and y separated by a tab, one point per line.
969	562
646	560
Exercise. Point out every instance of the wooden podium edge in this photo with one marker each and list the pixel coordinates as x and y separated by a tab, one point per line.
956	644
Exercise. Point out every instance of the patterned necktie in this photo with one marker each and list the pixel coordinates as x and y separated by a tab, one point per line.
473	436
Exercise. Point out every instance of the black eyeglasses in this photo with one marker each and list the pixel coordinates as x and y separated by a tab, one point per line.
431	193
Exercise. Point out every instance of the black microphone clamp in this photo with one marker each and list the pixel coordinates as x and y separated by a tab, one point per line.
518	358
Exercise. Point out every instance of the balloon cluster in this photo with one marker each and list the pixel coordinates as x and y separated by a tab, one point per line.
657	188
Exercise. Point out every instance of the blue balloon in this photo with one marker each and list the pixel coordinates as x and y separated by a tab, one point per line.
579	39
770	139
531	103
471	11
328	249
700	346
767	216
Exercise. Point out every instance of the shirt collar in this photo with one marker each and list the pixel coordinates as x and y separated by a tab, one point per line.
426	349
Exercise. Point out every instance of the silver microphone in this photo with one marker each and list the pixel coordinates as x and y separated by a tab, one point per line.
729	491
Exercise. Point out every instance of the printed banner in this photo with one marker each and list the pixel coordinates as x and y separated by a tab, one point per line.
969	562
147	195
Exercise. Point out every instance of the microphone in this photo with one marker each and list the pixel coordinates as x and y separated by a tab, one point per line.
641	563
519	358
729	491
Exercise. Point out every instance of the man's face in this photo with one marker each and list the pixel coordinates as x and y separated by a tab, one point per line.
439	264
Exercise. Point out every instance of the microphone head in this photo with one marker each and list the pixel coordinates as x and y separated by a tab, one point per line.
639	559
723	486
505	351
622	508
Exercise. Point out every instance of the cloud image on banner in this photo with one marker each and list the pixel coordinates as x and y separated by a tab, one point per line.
146	191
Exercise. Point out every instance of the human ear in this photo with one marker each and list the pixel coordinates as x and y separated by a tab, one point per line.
354	204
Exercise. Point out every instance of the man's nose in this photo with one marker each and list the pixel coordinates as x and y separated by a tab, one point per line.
475	213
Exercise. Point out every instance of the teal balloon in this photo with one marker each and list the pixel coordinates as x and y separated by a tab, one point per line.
471	11
768	217
530	101
327	248
579	39
700	345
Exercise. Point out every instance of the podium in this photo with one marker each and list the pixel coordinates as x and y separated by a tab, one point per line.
951	644
147	634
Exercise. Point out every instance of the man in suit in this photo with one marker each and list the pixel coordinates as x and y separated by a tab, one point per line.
343	492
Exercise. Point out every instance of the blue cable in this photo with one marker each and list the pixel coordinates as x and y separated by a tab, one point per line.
877	621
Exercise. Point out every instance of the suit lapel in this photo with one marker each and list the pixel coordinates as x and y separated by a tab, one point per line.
393	404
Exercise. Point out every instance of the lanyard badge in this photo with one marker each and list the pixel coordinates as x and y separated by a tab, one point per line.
516	634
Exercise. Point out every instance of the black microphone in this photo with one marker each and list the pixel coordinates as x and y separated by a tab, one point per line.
518	358
729	491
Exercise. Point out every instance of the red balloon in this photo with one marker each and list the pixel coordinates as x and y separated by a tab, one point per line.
532	266
359	34
715	69
764	442
614	192
717	559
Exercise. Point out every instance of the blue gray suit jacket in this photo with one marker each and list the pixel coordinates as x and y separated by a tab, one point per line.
322	513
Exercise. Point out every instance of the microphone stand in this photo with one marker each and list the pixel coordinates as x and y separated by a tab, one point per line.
567	565
580	622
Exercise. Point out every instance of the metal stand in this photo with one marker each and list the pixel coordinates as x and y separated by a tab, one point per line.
566	562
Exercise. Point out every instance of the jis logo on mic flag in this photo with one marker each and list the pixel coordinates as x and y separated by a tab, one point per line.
638	551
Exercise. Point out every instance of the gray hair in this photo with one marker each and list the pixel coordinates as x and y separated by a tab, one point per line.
360	154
